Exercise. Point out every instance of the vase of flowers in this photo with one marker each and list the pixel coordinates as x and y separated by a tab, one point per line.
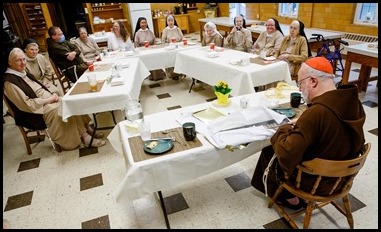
222	91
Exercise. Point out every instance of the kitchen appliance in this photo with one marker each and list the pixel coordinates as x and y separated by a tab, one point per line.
137	10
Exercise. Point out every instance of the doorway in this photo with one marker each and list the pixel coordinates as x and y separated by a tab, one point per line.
68	16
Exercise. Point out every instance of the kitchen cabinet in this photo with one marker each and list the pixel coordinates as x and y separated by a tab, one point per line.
36	23
106	13
181	19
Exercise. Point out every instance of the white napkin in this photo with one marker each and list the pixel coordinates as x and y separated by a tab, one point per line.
239	136
249	116
221	132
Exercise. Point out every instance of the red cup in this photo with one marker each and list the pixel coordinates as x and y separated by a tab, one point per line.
173	40
185	41
212	46
146	44
91	67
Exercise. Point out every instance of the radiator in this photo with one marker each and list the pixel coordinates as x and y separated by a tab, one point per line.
353	39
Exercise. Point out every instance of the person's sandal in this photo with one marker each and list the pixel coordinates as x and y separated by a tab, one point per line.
95	143
98	135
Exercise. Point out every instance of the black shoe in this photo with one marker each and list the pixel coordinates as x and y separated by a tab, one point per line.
290	206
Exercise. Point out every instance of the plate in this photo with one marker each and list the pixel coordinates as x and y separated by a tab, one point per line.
191	43
269	58
289	112
218	105
163	145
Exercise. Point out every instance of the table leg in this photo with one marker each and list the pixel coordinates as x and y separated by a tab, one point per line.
364	77
347	70
164	210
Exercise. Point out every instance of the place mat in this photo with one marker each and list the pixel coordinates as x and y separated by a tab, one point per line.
298	111
260	61
137	144
101	67
83	87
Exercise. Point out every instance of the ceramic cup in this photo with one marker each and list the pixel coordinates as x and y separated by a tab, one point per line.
296	99
189	130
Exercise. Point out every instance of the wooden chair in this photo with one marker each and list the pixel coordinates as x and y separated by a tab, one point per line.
342	170
61	77
32	136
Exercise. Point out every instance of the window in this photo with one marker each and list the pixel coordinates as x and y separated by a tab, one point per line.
288	10
366	13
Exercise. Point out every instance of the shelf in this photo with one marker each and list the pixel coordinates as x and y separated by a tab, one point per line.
105	10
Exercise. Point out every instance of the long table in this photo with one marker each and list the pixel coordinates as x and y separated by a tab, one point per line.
109	97
167	171
225	24
367	57
242	79
154	57
256	30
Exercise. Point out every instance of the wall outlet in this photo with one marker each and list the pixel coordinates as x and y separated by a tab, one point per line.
257	16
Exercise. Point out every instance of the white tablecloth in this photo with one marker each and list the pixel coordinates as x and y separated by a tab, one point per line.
225	21
167	171
363	49
110	97
309	31
242	79
153	57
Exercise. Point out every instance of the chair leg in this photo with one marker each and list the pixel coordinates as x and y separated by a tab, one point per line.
26	140
307	216
348	211
113	117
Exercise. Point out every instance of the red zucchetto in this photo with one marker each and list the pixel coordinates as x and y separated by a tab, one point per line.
321	64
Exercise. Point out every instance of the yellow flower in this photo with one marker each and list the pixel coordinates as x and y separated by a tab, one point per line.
222	87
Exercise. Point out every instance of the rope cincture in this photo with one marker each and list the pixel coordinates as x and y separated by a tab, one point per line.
265	174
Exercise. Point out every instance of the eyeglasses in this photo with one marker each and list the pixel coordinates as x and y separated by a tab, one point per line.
299	82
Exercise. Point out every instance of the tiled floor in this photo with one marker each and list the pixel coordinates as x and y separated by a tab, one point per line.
71	190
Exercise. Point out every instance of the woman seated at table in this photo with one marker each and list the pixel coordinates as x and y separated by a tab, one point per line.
171	31
119	39
87	45
142	34
268	42
33	101
39	66
240	37
294	48
212	35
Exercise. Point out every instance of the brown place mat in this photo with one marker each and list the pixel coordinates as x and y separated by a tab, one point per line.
298	111
101	67
83	87
261	61
137	144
